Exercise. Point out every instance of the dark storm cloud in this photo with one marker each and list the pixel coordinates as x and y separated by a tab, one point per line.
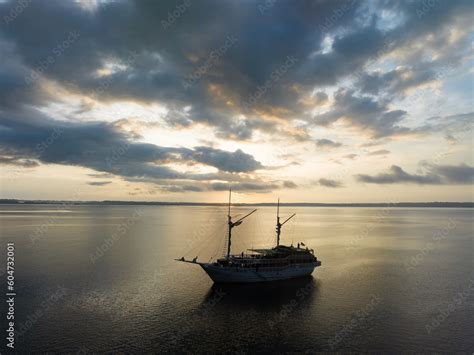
14	90
421	19
122	51
166	57
139	29
152	61
119	28
436	175
349	53
103	147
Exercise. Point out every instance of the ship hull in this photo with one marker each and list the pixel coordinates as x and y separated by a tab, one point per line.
220	274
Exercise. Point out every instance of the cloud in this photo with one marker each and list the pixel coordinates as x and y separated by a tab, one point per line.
327	143
289	184
101	175
379	152
237	161
329	183
348	53
350	156
24	163
259	187
106	148
455	125
182	188
99	183
397	175
437	175
460	174
364	113
320	97
123	53
396	81
149	63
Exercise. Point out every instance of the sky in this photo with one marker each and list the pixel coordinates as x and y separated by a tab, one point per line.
309	101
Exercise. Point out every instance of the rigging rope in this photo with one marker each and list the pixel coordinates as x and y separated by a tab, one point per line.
215	230
211	229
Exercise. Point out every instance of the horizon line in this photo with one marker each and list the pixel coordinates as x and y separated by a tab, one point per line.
263	204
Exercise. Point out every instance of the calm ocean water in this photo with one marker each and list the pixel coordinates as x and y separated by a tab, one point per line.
95	279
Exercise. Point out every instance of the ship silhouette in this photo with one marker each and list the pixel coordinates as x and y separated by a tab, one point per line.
259	265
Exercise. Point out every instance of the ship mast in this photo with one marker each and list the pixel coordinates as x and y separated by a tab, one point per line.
233	224
279	225
278	228
229	224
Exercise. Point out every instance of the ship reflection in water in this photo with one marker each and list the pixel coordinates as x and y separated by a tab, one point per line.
278	298
379	287
235	308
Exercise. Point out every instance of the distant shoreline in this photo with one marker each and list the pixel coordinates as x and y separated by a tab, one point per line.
293	204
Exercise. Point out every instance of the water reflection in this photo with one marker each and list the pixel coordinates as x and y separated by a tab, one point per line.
136	298
268	297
